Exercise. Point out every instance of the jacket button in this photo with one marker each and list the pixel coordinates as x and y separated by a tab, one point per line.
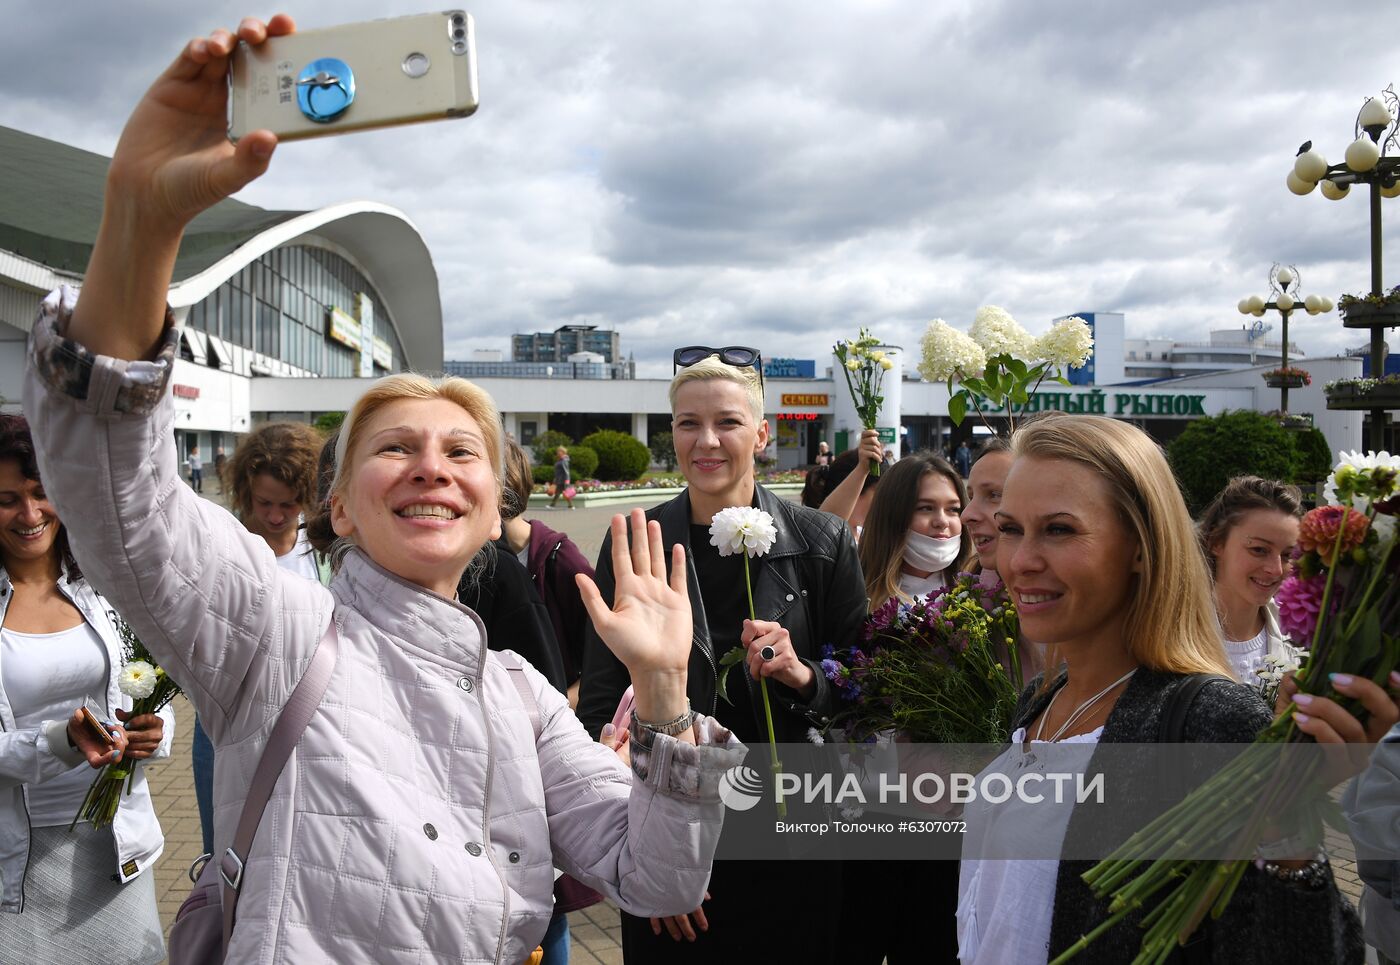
515	857
430	831
473	848
465	684
789	597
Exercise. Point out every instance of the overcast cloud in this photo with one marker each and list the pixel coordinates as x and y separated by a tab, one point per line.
779	174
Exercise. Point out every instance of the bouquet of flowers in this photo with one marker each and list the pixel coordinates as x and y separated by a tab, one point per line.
1343	601
998	361
943	669
150	689
864	366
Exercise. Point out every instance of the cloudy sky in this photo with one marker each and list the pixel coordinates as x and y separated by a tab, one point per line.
782	173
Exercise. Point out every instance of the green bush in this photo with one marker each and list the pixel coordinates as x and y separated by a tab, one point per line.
1213	450
545	443
620	457
583	462
1313	458
328	422
663	451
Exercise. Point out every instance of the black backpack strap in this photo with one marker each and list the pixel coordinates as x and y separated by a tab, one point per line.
1171	728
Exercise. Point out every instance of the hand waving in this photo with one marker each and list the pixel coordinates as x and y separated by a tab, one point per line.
648	627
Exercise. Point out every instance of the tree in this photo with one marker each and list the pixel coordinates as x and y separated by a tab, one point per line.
1313	460
620	457
1213	450
663	451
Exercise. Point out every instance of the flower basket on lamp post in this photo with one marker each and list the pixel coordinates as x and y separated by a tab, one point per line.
1287	379
1364	394
1371	311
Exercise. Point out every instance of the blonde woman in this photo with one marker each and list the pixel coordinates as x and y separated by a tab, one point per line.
1100	555
421	815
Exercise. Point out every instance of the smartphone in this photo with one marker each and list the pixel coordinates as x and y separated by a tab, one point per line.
622	717
379	73
94	725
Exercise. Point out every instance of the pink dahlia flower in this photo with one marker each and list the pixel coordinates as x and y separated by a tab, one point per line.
1299	601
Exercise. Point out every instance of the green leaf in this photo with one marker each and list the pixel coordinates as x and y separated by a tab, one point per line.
1017	367
1020	395
957	407
1062	380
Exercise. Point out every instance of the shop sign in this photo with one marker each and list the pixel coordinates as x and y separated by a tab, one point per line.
816	398
1097	402
342	328
184	391
790	369
799	416
383	353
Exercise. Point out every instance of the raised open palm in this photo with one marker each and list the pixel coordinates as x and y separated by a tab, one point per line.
648	627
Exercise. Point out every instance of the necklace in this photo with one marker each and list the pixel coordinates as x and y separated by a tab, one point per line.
1079	711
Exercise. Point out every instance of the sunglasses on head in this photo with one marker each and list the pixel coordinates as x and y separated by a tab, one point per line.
739	356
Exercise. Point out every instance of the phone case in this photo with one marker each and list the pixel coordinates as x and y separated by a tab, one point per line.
354	77
94	722
622	717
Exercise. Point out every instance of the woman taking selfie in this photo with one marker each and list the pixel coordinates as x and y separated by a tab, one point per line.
1248	534
1100	554
914	542
434	788
807	593
89	889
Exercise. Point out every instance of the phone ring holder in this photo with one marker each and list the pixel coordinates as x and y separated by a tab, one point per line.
325	88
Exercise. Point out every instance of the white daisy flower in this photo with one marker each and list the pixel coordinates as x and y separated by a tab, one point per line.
742	529
137	680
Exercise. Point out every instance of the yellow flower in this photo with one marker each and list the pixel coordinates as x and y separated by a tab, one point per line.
853	364
886	364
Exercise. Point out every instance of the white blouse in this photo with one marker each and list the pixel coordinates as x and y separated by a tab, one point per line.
1004	905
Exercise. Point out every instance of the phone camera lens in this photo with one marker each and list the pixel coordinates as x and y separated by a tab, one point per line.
460	47
460	33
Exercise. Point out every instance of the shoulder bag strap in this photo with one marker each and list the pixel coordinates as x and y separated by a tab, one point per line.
522	687
1171	729
291	724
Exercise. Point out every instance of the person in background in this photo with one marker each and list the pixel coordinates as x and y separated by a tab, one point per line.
849	484
1372	807
1248	533
807	593
984	484
562	478
962	458
86	895
1099	552
823	454
196	468
437	782
553	561
219	460
914	542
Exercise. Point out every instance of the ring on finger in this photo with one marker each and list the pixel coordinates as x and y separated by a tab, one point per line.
767	653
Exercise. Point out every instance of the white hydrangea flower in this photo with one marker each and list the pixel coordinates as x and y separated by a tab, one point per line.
815	736
948	352
998	333
1069	342
137	680
742	529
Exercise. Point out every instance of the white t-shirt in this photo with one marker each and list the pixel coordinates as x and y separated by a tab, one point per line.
302	559
46	677
1004	905
921	586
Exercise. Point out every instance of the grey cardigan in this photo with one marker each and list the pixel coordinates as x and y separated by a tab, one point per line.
1268	921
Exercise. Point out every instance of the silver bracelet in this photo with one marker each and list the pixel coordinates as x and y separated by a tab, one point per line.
676	725
1312	875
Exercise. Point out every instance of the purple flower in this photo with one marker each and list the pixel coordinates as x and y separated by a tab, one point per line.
833	670
1299	600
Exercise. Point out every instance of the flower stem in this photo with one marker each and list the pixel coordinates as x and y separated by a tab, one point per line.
776	764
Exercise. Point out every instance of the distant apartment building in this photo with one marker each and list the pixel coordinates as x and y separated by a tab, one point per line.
1227	349
564	341
486	363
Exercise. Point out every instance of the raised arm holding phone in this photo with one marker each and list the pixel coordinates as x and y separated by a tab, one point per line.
435	789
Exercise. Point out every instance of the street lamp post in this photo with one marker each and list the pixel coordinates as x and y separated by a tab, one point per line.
1284	282
1366	163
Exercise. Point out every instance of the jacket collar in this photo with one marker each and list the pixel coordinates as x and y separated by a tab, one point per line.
674	517
440	629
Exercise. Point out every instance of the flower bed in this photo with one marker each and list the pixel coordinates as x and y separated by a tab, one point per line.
666	481
1363	394
1292	420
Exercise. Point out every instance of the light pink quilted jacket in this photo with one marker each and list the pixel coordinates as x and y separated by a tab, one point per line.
419	819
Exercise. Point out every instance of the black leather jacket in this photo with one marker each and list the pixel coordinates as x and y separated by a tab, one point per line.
810	583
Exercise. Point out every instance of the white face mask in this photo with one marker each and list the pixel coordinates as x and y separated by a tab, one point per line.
929	553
